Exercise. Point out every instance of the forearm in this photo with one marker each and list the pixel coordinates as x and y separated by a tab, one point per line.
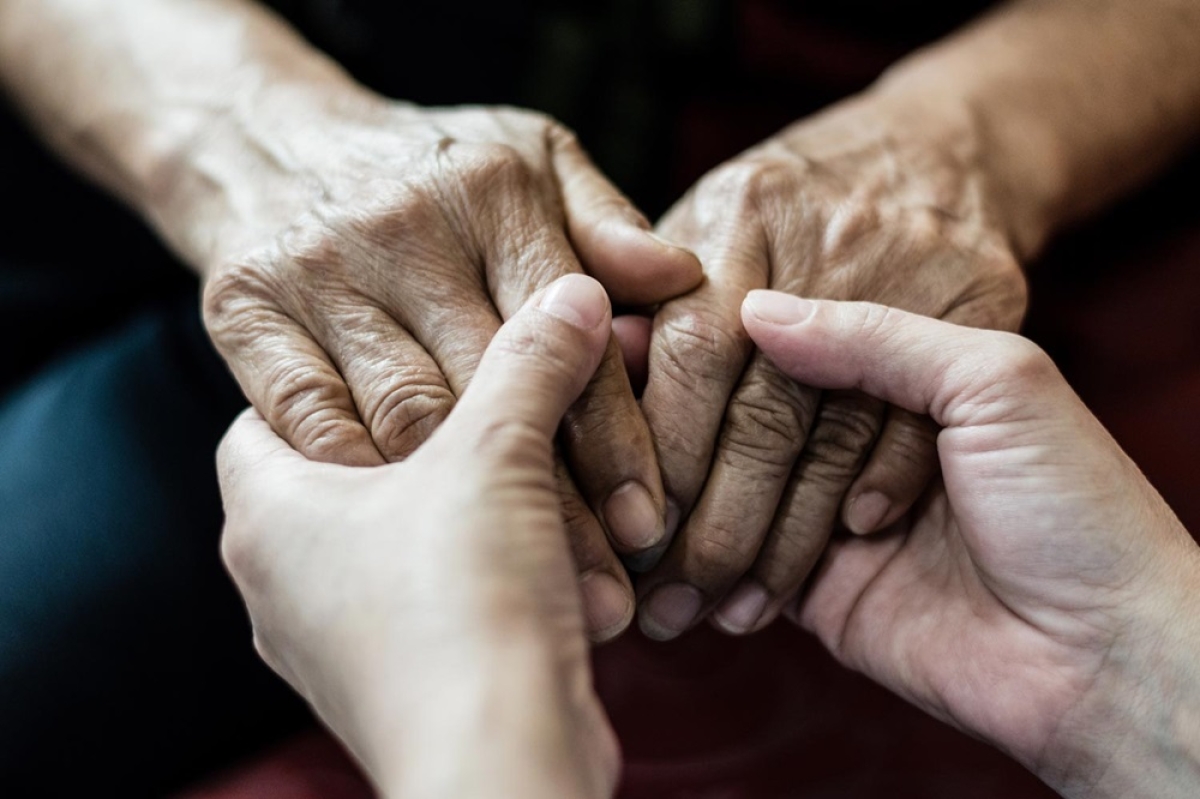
123	89
1076	102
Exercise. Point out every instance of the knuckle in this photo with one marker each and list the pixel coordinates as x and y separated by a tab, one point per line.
233	294
876	321
403	416
846	426
912	445
311	409
766	425
493	165
701	347
517	444
1020	360
751	183
720	554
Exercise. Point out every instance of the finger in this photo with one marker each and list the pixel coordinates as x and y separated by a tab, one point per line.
900	467
764	431
604	585
633	334
290	379
957	375
612	238
539	362
698	352
605	438
846	424
249	451
397	387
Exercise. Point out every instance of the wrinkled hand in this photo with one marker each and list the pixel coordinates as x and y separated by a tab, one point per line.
1042	595
428	610
865	202
360	255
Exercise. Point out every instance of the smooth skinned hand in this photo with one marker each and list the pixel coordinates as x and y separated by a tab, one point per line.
428	610
1041	595
873	200
360	254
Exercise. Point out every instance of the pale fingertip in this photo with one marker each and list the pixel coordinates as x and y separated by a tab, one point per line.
577	300
740	612
607	605
633	519
669	611
866	512
777	308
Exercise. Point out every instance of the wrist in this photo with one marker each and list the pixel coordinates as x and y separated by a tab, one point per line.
1137	732
513	717
1022	159
227	177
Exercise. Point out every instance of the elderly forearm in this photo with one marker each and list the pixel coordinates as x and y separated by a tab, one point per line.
123	88
1076	101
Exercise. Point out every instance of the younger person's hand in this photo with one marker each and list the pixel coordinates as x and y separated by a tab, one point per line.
1041	595
428	610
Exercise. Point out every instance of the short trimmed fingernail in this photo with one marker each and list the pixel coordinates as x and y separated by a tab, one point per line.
606	604
578	300
644	561
777	308
632	517
866	511
669	611
742	609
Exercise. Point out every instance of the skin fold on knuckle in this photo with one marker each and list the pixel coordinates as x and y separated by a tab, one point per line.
310	408
767	420
404	415
846	427
714	553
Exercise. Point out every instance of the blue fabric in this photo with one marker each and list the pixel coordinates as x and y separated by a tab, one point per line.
126	663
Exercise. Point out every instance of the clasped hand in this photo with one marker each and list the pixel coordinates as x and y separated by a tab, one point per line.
357	266
1040	595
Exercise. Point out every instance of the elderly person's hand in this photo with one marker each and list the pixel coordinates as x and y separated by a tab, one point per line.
1041	595
428	610
874	200
358	255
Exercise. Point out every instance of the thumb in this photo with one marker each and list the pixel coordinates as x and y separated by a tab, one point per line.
539	362
613	239
957	375
252	455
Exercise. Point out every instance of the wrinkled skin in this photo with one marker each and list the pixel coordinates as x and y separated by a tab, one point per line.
424	607
864	202
1041	595
354	282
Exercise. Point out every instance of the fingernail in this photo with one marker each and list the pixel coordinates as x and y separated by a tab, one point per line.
866	511
644	561
578	300
742	609
777	308
606	604
669	611
632	517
